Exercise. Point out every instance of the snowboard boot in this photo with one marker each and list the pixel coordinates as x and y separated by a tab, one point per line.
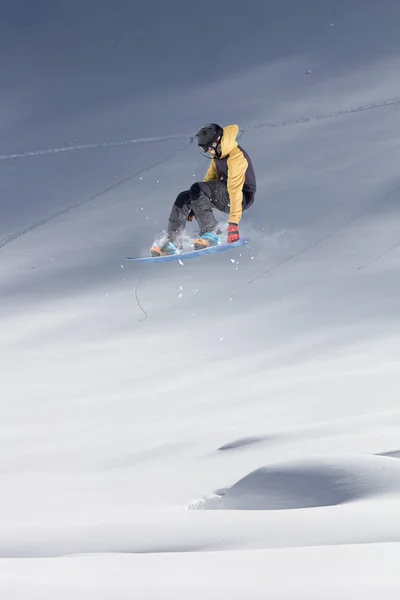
207	240
164	249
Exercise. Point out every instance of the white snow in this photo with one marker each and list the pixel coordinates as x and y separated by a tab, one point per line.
242	439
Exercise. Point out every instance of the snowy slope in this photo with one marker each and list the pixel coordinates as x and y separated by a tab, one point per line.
229	426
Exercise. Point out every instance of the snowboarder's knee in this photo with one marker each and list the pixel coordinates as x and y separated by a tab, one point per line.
199	188
182	199
195	191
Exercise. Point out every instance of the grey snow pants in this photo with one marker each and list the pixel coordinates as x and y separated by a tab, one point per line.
202	197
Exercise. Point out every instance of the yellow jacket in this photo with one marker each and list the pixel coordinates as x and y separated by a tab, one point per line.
231	167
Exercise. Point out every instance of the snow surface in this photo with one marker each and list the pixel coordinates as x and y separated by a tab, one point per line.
227	427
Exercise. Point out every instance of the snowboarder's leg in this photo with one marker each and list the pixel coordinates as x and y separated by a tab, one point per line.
200	199
201	202
204	196
179	216
219	195
176	224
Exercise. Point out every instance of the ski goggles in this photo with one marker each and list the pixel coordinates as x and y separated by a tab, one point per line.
210	147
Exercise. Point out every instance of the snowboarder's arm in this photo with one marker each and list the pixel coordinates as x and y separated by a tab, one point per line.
237	166
212	173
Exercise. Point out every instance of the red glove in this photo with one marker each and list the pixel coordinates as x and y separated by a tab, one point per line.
233	233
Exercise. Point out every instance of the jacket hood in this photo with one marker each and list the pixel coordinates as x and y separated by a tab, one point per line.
228	141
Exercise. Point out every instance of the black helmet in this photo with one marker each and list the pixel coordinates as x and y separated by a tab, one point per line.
208	135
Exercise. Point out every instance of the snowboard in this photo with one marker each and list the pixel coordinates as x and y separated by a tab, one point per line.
191	253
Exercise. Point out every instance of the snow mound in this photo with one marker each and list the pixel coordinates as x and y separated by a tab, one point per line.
310	483
245	442
393	454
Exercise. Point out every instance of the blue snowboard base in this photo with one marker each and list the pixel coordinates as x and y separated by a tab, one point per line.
191	253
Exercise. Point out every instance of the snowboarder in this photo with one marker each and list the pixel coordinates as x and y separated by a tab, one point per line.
229	186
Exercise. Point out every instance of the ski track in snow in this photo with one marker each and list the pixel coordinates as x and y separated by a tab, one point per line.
80	147
331	115
80	203
190	138
90	146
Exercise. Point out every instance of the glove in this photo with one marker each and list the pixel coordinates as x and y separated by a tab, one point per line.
233	233
191	216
